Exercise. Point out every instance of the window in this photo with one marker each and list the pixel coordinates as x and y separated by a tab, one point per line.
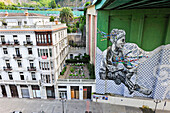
42	38
5	50
49	38
19	23
17	51
0	77
52	65
38	52
29	51
39	38
40	64
7	63
45	39
2	38
25	22
50	50
48	79
15	39
31	63
33	76
10	76
28	38
21	75
59	35
19	63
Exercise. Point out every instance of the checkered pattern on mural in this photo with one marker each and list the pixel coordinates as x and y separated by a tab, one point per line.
152	73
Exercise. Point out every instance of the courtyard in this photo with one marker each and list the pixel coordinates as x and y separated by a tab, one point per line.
75	71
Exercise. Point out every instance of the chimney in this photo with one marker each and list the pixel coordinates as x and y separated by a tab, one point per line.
26	13
6	13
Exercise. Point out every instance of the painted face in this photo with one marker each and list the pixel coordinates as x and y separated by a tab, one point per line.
120	42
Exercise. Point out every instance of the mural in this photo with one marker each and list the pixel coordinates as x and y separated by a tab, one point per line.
124	63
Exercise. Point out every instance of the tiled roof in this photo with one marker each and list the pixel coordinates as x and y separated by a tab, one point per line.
20	14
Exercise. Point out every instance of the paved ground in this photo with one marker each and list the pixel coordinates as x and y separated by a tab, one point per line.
55	106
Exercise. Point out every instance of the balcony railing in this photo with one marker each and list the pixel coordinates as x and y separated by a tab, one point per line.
21	82
31	68
26	43
9	68
10	43
91	81
17	56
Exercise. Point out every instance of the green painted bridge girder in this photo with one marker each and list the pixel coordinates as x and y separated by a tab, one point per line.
148	28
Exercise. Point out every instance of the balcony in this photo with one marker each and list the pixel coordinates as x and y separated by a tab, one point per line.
10	43
18	56
31	68
27	43
9	68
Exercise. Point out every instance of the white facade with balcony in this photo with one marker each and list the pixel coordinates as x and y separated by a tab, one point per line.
32	55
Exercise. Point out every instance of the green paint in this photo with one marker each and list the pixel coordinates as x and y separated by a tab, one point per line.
148	28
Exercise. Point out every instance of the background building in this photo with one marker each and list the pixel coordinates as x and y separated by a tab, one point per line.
91	32
33	52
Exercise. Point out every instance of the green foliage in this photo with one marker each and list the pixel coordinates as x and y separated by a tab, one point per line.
59	6
146	109
63	71
91	71
53	4
70	74
52	18
69	30
77	24
71	69
74	30
66	15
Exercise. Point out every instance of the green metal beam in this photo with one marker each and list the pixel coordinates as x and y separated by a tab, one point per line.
117	3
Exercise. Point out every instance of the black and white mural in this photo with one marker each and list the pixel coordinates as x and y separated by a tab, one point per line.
125	69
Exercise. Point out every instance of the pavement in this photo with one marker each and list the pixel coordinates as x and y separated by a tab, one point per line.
8	105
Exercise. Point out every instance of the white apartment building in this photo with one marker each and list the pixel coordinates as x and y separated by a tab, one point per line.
32	55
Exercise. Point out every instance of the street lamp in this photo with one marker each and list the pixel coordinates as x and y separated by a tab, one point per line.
156	102
63	100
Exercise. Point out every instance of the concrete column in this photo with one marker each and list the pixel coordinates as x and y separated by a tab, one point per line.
56	92
81	92
94	88
43	92
8	91
19	91
1	95
68	92
30	91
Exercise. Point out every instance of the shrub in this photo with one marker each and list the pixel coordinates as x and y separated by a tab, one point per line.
71	69
76	74
69	30
73	74
70	74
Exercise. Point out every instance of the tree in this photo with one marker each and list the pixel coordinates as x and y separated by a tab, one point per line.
59	6
53	4
66	15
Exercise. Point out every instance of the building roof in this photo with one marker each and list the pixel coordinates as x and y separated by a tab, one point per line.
131	4
21	14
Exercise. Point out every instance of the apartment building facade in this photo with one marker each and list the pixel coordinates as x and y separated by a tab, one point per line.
32	55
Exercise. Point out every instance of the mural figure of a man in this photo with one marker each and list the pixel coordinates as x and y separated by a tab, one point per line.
109	69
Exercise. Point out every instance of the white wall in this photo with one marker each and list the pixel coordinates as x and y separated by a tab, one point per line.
133	102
